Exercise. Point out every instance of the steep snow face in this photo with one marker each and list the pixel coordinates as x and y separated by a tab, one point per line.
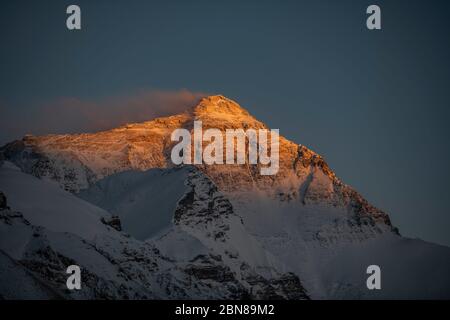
205	213
154	203
43	203
330	250
144	201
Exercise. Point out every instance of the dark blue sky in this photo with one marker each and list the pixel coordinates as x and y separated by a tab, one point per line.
375	104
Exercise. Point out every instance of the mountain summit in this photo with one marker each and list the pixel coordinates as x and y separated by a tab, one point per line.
76	161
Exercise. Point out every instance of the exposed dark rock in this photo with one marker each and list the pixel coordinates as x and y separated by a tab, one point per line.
3	202
113	222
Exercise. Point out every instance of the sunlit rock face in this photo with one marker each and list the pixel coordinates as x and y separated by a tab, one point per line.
79	160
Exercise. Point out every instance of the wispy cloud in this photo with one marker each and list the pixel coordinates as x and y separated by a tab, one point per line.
70	114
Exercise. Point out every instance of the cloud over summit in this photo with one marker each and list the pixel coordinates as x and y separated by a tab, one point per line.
73	115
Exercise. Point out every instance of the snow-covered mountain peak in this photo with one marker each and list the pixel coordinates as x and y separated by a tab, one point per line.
77	161
219	105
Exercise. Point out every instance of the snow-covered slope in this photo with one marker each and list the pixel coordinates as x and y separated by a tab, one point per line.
35	253
14	276
138	198
45	204
201	220
330	250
